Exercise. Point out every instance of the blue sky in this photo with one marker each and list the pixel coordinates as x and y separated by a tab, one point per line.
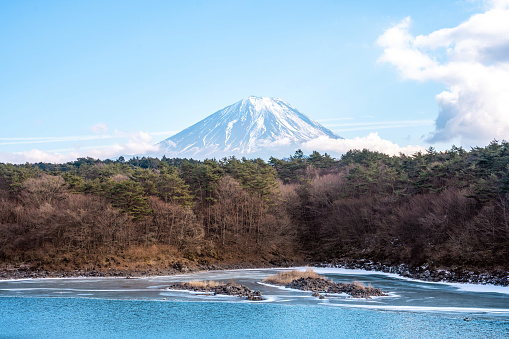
104	78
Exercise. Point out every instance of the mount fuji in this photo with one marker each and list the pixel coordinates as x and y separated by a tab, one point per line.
253	127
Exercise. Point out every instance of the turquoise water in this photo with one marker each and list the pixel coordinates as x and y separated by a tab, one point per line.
135	308
95	318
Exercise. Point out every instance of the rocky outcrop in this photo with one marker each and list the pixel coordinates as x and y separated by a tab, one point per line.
355	290
225	289
426	272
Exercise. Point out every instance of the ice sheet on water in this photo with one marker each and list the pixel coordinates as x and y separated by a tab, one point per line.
488	288
404	294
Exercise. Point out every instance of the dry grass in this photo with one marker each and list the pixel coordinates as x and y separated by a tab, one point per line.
130	260
358	285
286	277
203	284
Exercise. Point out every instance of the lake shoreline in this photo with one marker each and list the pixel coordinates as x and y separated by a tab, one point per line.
13	272
422	273
426	273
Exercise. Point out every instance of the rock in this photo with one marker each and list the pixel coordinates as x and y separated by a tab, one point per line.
255	296
427	272
225	289
327	286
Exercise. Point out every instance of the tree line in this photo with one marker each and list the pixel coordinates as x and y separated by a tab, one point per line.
447	208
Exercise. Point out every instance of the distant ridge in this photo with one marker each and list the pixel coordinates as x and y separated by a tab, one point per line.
255	126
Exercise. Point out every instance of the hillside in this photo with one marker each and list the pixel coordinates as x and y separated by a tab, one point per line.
437	209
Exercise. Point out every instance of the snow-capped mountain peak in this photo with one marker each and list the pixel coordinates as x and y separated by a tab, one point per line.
251	126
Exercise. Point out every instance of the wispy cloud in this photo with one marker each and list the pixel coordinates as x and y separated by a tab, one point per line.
44	140
370	126
334	119
402	123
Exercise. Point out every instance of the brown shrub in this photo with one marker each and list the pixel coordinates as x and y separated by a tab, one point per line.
203	284
286	277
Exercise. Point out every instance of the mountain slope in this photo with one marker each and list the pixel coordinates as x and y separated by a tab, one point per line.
250	127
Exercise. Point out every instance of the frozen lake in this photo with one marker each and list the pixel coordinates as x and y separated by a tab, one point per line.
116	307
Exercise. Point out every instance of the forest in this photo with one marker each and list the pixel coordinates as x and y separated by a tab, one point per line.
442	209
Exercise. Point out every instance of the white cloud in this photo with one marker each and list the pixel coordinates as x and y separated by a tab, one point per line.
35	155
472	61
99	128
275	144
137	143
141	143
497	3
372	142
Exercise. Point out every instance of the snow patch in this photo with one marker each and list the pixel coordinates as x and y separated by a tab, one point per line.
229	129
